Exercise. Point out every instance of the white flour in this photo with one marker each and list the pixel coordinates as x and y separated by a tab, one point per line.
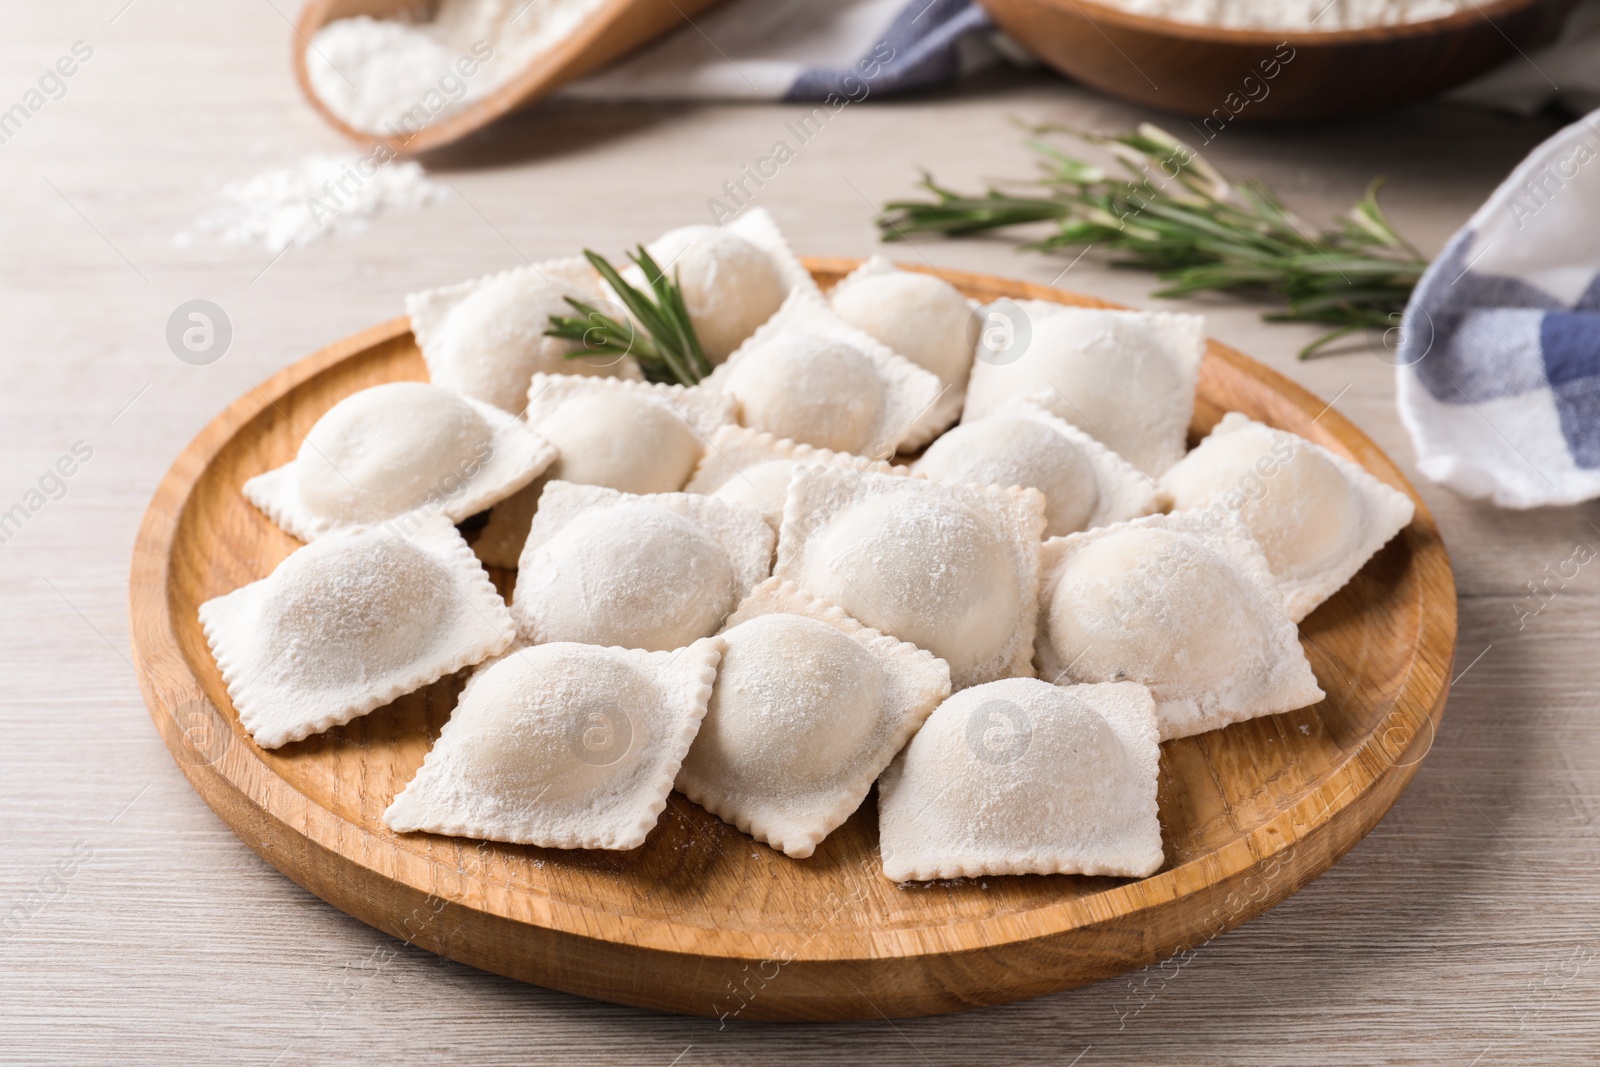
1304	15
321	195
397	76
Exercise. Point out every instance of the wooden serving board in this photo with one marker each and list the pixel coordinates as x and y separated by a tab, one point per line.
702	919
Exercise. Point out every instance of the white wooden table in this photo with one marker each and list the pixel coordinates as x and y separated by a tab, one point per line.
138	929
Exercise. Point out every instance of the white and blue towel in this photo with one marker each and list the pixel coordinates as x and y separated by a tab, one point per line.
804	50
1499	353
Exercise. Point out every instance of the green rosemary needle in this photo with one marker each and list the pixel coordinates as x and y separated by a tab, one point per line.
1176	215
656	330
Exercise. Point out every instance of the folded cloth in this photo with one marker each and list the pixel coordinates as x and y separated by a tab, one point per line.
1499	350
803	50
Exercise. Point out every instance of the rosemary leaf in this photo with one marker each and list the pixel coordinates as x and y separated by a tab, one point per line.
657	331
1174	214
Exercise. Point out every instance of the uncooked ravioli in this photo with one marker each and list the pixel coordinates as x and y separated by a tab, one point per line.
730	286
1317	516
810	389
1126	378
637	437
762	487
563	746
810	376
623	440
1084	483
734	276
349	623
1023	777
809	707
923	318
652	572
753	469
1183	603
485	339
396	449
951	568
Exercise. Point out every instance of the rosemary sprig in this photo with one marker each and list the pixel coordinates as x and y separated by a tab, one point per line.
657	333
1176	215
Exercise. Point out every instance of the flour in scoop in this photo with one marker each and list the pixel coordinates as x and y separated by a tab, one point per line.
397	76
319	196
1305	16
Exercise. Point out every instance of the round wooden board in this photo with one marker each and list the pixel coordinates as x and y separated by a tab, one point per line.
702	919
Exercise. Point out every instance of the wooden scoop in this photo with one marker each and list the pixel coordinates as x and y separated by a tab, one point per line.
616	28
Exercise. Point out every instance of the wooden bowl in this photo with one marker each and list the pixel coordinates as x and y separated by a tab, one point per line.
615	29
703	920
1223	76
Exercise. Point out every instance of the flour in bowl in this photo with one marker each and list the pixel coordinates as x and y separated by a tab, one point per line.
396	76
1306	16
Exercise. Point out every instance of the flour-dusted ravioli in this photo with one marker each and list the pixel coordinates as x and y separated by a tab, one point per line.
654	572
485	338
748	467
812	377
1317	516
562	746
401	449
639	437
922	317
733	277
1183	603
1023	777
1084	483
1126	378
809	708
951	568
349	623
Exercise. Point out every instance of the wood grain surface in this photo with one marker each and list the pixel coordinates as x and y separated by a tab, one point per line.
703	920
136	927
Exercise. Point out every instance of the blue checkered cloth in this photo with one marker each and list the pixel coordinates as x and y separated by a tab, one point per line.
1499	353
804	50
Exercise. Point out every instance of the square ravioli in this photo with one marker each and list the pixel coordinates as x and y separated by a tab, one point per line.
1183	603
400	451
812	377
951	568
1023	777
639	437
485	339
562	746
809	708
1084	483
655	572
1127	378
733	276
1317	516
751	468
923	318
349	623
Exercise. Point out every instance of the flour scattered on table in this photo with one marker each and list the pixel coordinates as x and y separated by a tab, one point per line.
319	196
